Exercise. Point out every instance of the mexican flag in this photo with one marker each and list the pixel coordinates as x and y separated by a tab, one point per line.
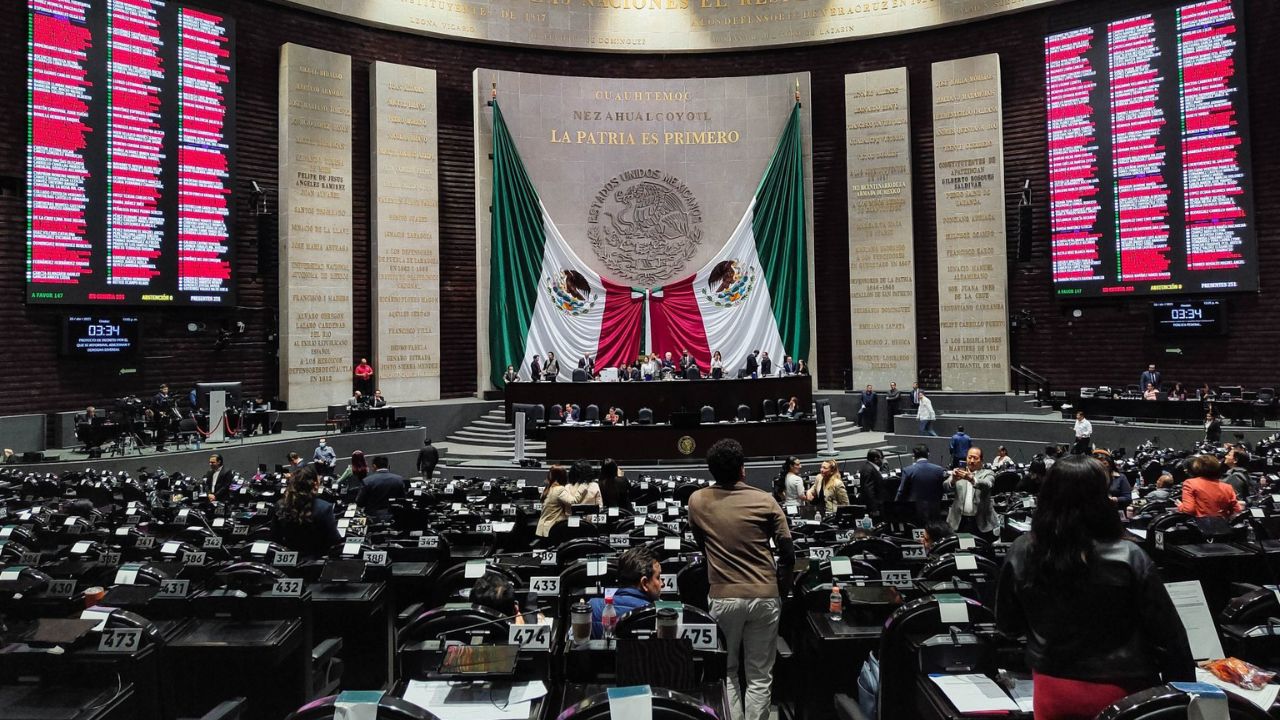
753	295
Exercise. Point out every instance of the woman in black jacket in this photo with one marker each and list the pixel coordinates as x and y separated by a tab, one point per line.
304	522
1098	621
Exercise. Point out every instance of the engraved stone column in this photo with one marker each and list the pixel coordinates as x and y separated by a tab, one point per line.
968	162
406	233
315	227
882	286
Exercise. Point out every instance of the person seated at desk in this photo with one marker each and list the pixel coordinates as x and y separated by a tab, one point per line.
793	408
640	578
1179	392
377	400
934	533
668	365
612	417
1164	483
89	417
1002	461
1203	492
510	375
788	365
569	413
717	366
634	373
1065	586
828	491
303	521
498	594
802	368
1151	393
356	400
1204	393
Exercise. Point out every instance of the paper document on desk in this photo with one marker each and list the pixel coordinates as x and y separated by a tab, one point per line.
1264	698
1193	609
510	701
974	693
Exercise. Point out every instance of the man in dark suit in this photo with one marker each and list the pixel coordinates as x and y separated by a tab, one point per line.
766	365
535	369
379	488
871	483
217	480
428	457
753	365
922	484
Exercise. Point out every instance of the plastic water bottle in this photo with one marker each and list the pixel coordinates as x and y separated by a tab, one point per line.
609	618
835	608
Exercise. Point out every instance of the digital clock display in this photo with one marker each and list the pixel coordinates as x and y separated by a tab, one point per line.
1200	317
96	337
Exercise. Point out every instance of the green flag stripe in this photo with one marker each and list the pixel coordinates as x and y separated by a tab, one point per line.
515	257
779	229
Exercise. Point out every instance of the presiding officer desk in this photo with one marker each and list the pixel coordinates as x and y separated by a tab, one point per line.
665	442
664	396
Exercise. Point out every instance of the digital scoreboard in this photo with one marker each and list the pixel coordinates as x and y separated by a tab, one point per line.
129	157
1149	175
100	337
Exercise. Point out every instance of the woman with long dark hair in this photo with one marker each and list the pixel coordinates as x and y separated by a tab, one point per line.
558	498
305	522
615	489
788	486
1070	586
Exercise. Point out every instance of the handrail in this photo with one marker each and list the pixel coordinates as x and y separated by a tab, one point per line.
1025	379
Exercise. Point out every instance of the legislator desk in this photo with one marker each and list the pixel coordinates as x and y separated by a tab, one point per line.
664	396
664	442
382	417
1237	411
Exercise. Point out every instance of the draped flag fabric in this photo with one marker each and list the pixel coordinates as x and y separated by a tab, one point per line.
753	295
542	297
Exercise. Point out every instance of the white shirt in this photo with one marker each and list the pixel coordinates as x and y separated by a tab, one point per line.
1084	429
1002	462
926	410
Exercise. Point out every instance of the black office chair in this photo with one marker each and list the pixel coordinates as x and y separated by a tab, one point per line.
573	550
556	415
645	416
667	705
885	551
592	414
1266	396
1167	703
1006	481
692	373
693	584
744	412
768	408
898	662
454	586
575	580
389	708
643	621
951	544
563	532
580	375
457	623
539	414
684	491
945	569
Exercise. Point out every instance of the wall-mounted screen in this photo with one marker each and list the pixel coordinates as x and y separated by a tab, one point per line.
89	336
130	107
1149	179
1190	317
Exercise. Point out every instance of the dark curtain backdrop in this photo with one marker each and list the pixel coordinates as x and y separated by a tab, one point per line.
1111	341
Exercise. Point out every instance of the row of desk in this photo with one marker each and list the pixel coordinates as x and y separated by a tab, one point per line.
1240	411
658	442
